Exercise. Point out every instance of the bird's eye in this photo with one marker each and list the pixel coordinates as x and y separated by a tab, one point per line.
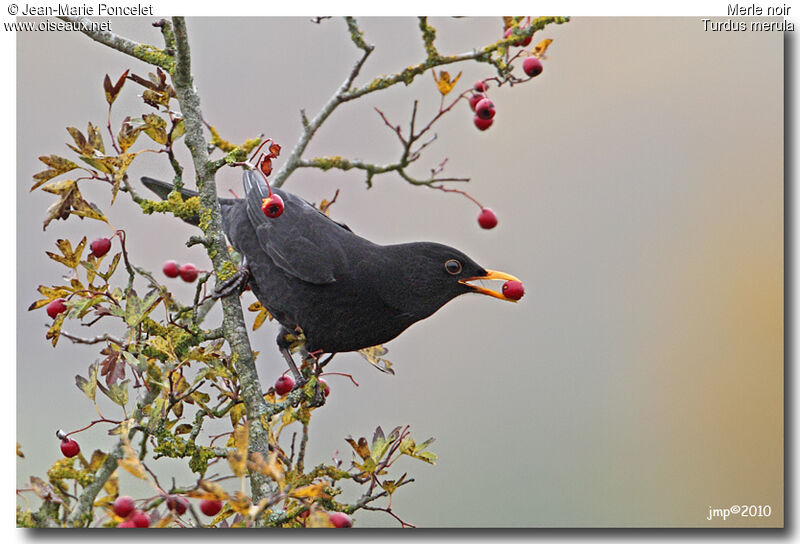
452	266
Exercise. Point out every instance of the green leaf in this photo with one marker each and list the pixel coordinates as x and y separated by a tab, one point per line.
88	386
118	392
136	309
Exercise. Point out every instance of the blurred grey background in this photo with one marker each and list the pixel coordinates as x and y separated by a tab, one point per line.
639	187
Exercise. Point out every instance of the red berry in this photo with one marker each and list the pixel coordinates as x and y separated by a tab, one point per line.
127	524
177	504
482	124
188	272
210	507
513	289
56	307
284	385
340	519
140	519
487	219
326	389
123	506
171	269
304	514
70	448
532	66
481	86
272	206
474	99
485	109
100	247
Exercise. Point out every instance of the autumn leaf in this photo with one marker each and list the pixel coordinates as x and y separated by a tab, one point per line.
443	82
45	491
69	257
118	393
374	354
360	447
70	202
88	386
155	127
112	91
128	133
58	165
318	519
54	332
410	448
131	463
19	450
98	458
112	367
208	490
80	140
270	467
311	491
540	48
263	314
238	458
95	139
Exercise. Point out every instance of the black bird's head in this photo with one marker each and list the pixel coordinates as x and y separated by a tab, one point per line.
429	275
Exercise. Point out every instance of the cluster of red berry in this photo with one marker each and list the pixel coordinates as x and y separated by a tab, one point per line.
187	272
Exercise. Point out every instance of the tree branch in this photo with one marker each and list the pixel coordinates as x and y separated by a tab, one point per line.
144	52
234	325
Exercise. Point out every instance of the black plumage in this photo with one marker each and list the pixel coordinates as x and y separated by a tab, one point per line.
344	292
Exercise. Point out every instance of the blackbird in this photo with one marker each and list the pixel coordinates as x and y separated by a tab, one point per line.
343	292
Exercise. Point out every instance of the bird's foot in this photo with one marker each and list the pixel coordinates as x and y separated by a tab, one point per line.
235	284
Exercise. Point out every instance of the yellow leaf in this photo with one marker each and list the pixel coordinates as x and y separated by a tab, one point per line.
240	503
71	201
318	519
263	314
163	522
311	491
238	458
96	139
111	487
131	463
58	165
19	450
208	490
374	354
98	458
361	447
541	47
69	257
237	413
155	127
443	82
54	332
270	467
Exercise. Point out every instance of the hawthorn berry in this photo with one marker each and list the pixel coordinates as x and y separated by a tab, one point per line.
210	507
140	519
487	219
127	524
177	504
100	247
485	109
340	519
70	448
188	272
171	269
123	506
474	99
482	124
56	307
272	206
532	66
284	384
513	289
481	86
326	389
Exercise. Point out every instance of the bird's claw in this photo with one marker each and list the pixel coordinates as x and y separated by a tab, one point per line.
235	284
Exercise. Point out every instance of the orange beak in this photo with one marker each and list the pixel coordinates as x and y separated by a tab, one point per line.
490	275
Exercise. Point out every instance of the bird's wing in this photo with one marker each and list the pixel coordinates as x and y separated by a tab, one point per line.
302	241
